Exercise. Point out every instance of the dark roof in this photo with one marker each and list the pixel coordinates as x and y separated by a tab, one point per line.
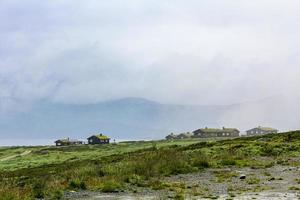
100	136
185	135
216	130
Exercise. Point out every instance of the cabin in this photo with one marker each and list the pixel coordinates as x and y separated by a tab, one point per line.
261	131
67	142
172	136
98	139
184	135
215	132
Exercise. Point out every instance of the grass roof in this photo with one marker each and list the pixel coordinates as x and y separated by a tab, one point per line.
265	128
102	137
217	130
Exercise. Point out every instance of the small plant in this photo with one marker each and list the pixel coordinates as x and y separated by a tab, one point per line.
225	175
294	188
252	181
231	195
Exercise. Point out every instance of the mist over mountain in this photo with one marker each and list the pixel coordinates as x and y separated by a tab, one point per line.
137	118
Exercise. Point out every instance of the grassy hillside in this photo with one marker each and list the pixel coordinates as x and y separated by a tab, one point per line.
46	172
14	158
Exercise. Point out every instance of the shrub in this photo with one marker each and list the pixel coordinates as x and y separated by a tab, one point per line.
38	190
201	163
76	184
271	150
111	186
57	195
135	180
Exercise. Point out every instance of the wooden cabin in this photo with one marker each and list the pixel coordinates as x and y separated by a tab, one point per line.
67	142
98	139
215	132
261	131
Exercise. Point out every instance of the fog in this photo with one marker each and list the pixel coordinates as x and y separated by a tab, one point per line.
208	52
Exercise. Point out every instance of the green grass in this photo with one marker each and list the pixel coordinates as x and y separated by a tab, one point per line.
40	156
48	171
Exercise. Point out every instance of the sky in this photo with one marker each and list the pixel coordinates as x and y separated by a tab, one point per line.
171	51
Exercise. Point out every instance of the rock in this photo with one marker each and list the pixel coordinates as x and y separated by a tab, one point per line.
292	168
242	176
271	179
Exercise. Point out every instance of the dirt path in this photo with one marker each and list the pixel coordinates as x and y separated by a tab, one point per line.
14	156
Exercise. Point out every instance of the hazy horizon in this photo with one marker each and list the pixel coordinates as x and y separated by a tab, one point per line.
208	52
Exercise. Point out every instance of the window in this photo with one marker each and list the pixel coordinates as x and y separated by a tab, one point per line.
91	140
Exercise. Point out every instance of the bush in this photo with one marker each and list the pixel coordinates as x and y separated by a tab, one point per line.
271	150
57	195
201	163
75	184
111	186
135	180
38	190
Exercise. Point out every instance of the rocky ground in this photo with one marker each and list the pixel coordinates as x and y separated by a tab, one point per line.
276	182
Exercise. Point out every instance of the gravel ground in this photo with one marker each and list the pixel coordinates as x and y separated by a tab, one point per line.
277	182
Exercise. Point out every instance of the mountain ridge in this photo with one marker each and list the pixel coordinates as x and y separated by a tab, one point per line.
137	118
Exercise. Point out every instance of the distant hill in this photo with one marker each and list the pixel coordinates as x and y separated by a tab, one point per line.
136	118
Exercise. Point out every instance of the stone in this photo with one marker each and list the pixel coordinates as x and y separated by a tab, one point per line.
242	176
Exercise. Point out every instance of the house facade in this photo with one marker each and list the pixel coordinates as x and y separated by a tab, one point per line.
261	131
179	136
98	139
67	142
215	132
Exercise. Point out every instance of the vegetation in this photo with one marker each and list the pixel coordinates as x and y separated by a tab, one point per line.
49	171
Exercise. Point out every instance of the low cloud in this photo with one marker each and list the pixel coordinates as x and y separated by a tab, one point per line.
196	52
